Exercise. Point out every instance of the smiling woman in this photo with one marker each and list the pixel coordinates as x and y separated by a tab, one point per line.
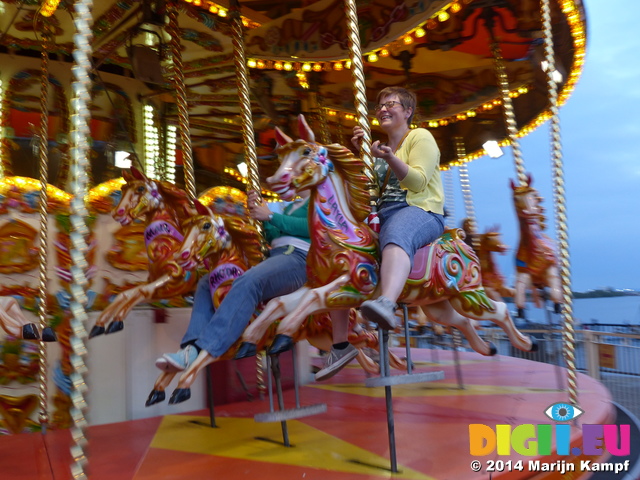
411	197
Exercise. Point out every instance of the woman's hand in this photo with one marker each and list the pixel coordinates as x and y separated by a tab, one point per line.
381	151
358	136
257	208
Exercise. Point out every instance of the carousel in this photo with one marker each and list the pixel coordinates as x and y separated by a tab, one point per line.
131	134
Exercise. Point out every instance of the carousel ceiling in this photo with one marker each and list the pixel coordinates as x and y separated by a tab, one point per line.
298	58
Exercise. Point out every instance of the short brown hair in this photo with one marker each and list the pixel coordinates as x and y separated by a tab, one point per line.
407	98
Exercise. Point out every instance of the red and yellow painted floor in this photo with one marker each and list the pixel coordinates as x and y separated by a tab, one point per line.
348	442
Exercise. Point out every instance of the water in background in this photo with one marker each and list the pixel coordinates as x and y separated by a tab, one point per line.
605	310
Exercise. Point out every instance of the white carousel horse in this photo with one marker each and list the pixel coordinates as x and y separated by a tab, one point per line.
343	264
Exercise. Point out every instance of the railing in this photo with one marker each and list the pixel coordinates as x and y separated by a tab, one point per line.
605	354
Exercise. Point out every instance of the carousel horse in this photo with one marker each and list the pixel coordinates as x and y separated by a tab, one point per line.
202	243
536	261
13	322
162	207
343	261
492	279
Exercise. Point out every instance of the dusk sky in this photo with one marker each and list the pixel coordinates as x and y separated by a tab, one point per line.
600	129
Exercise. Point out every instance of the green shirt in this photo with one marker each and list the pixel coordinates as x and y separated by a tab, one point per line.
294	224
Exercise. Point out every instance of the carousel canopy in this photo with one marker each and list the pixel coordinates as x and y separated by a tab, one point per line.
298	62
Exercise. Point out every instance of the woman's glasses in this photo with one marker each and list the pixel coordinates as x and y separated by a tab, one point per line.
389	105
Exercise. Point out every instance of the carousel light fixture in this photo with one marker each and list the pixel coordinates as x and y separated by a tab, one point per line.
49	7
122	159
171	146
151	141
243	169
492	148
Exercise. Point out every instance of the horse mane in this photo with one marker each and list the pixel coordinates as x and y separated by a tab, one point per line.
246	237
351	168
177	199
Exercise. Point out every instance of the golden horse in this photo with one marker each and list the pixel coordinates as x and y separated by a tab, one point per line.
203	243
343	259
492	279
536	261
162	207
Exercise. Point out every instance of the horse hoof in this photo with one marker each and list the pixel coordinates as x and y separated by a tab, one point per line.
557	308
281	343
246	349
534	345
180	395
520	314
95	331
493	350
115	327
156	396
30	332
48	335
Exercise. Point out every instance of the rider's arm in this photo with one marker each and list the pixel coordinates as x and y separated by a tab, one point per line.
422	156
296	224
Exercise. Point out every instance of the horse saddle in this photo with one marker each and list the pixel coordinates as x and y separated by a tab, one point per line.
420	260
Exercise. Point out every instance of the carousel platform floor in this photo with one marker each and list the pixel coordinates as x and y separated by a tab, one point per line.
348	442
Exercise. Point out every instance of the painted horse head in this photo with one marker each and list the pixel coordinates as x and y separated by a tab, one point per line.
218	238
528	202
205	234
305	164
141	196
490	241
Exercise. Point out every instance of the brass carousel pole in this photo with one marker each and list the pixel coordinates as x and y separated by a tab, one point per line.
507	104
5	160
80	115
181	101
449	199
568	332
43	151
359	89
248	135
465	184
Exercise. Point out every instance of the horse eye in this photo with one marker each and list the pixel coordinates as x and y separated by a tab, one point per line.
140	189
206	226
306	151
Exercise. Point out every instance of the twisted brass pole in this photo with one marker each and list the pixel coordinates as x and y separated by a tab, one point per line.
242	81
80	115
5	160
465	185
568	332
262	386
325	135
359	90
181	101
449	199
509	115
43	151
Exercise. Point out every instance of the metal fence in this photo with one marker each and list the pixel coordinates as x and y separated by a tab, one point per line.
606	354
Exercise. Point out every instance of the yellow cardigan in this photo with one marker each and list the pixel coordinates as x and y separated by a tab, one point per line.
422	183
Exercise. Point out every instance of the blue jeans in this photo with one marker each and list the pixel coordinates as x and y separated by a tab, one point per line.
217	330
